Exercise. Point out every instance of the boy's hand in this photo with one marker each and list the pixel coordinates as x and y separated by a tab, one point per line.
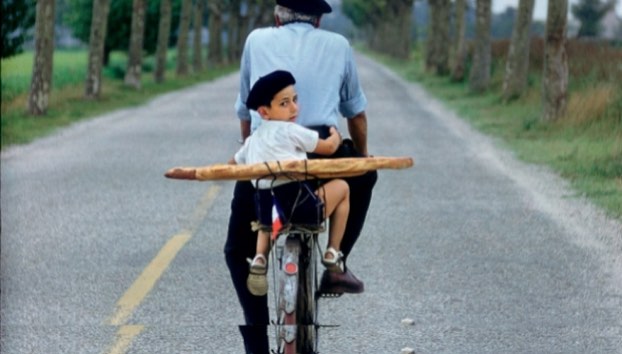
329	145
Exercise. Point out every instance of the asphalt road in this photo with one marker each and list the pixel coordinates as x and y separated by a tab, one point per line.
101	254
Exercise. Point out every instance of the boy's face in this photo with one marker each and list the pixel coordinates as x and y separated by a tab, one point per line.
284	106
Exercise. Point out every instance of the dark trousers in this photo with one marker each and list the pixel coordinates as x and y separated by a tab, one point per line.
241	242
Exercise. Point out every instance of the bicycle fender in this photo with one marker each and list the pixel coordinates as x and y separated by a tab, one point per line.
291	254
288	333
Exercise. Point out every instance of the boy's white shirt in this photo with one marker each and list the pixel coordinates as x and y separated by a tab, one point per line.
276	141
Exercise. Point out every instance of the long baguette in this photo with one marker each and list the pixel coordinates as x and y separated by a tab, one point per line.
320	168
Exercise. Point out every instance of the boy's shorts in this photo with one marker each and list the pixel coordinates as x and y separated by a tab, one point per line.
297	201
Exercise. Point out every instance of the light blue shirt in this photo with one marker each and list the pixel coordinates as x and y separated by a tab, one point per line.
322	63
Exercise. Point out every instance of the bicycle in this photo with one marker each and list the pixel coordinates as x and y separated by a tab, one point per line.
295	281
295	250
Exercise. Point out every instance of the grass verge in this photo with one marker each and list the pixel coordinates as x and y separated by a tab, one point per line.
584	147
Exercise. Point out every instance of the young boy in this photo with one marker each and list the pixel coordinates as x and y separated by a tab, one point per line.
279	138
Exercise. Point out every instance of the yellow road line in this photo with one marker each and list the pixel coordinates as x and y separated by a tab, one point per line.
145	282
125	335
141	287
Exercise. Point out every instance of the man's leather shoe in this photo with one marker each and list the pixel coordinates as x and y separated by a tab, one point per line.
339	283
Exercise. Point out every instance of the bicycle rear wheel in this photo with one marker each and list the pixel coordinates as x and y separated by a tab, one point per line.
306	306
296	296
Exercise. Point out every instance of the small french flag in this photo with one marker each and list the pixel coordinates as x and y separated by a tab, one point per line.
277	223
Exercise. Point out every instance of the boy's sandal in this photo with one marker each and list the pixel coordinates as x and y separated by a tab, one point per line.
333	264
257	281
257	267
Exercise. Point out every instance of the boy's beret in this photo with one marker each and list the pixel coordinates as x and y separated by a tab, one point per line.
267	87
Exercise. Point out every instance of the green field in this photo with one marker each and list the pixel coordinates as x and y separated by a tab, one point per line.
69	69
67	104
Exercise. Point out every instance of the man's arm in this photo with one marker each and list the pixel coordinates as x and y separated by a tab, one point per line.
357	127
240	107
245	129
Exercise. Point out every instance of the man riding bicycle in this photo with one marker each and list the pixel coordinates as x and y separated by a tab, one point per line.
329	89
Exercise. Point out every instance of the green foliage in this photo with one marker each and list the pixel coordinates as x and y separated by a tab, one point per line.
69	70
363	12
17	17
118	65
79	14
590	12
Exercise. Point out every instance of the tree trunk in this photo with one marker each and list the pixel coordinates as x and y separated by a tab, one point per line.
479	76
517	66
233	32
245	29
164	31
97	39
437	54
374	34
457	69
430	47
392	32
182	38
555	74
242	31
135	58
197	27
41	82
214	52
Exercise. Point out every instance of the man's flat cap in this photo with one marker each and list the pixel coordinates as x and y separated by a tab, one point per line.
310	7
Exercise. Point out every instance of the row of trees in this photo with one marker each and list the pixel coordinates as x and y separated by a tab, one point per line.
174	21
555	71
387	25
590	13
449	52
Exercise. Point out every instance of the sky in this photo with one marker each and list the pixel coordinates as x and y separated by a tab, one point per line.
539	11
